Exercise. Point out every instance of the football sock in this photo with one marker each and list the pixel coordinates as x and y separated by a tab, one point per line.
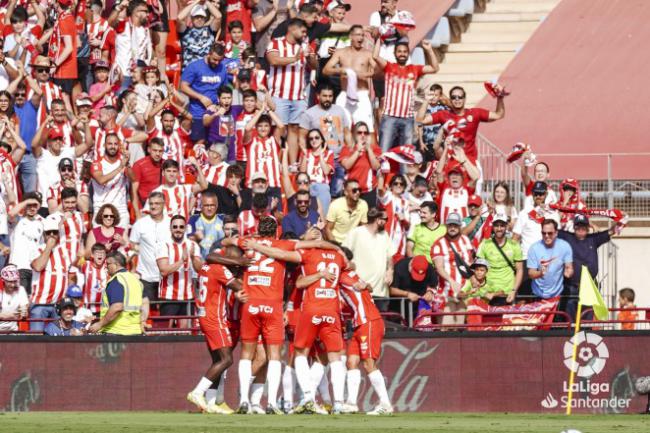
288	383
316	372
257	391
379	385
211	396
245	374
273	374
203	385
337	374
219	398
303	376
354	381
324	390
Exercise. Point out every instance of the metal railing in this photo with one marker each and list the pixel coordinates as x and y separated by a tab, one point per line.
495	168
434	316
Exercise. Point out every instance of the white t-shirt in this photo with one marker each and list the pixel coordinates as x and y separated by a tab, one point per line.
47	169
371	253
10	303
529	229
115	191
414	214
148	234
26	236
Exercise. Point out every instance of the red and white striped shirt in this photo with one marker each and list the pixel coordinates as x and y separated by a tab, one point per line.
99	30
68	138
397	212
95	279
240	123
287	82
442	248
264	156
216	174
178	199
49	285
174	144
453	200
99	135
115	191
247	223
50	92
8	166
54	192
177	286
360	302
314	169
73	227
399	85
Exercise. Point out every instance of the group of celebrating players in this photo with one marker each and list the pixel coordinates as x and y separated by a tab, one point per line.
241	291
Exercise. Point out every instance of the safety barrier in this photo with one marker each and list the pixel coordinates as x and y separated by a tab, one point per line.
433	316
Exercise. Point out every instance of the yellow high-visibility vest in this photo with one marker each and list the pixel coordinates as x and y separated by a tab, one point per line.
127	321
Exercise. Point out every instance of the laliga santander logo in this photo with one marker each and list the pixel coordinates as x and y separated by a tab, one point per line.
592	354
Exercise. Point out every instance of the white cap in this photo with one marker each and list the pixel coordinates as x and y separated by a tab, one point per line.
199	11
51	223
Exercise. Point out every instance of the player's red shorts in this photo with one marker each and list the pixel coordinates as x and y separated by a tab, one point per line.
259	317
366	340
216	337
326	327
234	327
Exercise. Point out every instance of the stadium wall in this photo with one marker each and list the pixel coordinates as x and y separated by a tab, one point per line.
513	372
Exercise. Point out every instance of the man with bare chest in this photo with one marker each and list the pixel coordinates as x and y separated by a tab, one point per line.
355	66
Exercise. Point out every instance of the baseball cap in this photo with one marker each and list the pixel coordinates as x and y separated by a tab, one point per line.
51	223
54	133
480	262
83	99
74	291
419	266
259	175
65	162
199	11
10	273
454	218
420	181
336	4
540	187
474	200
581	219
65	2
66	302
102	64
500	217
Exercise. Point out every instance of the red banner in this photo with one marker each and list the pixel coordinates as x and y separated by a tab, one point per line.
446	374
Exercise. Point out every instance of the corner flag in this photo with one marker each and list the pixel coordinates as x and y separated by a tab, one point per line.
590	295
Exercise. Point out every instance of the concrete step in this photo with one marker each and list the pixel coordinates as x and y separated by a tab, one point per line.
482	67
509	27
466	60
465	77
484	47
477	38
521	6
496	17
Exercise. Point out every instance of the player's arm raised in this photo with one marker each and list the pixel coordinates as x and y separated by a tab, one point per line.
274	253
305	281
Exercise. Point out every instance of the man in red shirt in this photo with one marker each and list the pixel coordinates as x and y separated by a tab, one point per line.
465	120
211	309
396	128
63	48
320	315
145	175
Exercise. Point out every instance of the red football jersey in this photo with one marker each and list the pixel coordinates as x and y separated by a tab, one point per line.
360	302
264	279
211	302
322	295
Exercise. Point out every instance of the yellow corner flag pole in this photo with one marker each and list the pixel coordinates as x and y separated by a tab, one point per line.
573	359
589	295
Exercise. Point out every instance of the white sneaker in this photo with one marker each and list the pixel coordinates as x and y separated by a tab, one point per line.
219	409
349	408
198	400
337	409
256	409
381	409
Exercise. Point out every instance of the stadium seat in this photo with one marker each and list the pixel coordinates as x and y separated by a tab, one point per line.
460	15
461	8
441	33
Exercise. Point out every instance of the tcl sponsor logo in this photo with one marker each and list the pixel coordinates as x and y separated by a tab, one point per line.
325	293
254	309
258	280
317	320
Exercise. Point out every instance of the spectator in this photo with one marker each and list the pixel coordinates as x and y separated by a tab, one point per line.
373	252
41	66
229	196
26	236
396	206
334	125
569	198
27	112
73	224
201	81
146	234
541	173
82	314
626	304
13	299
504	259
128	115
220	122
69	179
249	104
50	266
473	222
454	187
176	259
333	41
584	248
318	162
478	286
107	231
197	37
216	168
549	262
95	277
180	198
106	125
145	175
207	226
109	179
381	21
434	101
24	31
267	14
300	182
263	153
308	13
236	45
421	237
452	256
64	325
416	280
248	220
416	194
288	58
300	219
62	50
400	81
361	161
501	203
346	213
240	10
527	229
175	138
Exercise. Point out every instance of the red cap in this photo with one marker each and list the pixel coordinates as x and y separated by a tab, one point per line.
54	133
474	200
65	2
419	266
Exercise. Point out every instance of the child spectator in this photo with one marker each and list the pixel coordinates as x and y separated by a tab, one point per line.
478	286
236	45
626	302
101	87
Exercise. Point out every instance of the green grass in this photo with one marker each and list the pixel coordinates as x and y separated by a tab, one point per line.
126	422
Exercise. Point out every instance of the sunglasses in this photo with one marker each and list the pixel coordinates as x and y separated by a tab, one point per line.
355	190
362	133
41	70
456	97
18	94
302	201
109	216
538	194
66	170
548	233
178	227
51	233
302	182
398	184
315	137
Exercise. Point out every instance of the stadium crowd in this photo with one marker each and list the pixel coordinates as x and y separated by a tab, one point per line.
281	121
